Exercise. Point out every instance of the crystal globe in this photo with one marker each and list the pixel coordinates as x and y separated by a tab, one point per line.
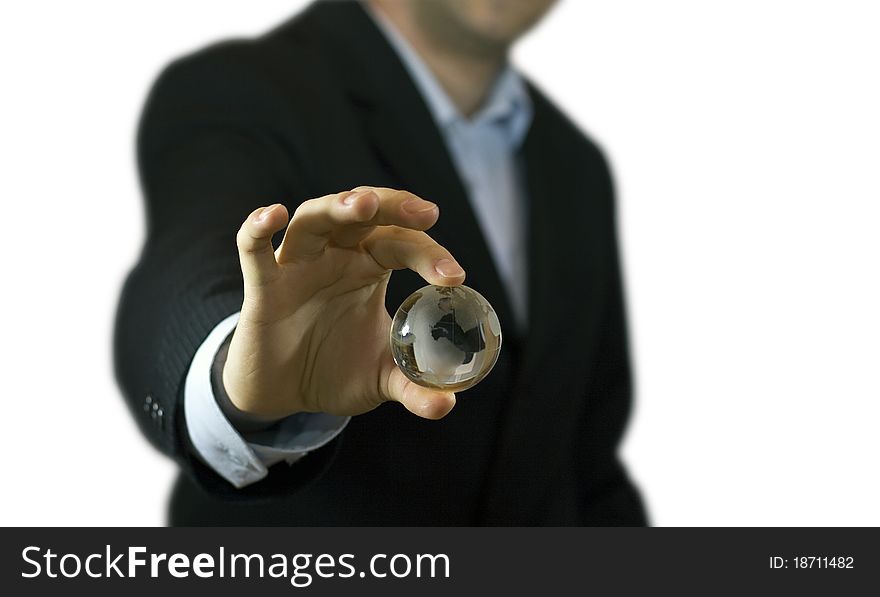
447	338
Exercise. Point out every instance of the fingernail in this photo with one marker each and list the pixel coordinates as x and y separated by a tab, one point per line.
417	206
353	196
266	211
448	268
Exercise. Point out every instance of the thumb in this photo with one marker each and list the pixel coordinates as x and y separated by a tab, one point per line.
423	402
254	240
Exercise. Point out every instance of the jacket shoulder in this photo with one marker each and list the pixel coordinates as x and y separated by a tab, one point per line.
577	154
558	124
233	69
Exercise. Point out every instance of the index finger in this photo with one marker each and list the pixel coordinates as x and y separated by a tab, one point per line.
347	218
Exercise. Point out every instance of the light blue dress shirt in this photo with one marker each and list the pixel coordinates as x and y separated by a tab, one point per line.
483	149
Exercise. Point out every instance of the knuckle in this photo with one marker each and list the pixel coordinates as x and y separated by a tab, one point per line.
405	196
386	389
304	209
243	239
429	245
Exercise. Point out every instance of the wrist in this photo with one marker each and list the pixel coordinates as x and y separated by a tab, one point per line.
242	417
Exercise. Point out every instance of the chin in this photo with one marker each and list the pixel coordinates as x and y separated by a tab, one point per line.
500	21
481	24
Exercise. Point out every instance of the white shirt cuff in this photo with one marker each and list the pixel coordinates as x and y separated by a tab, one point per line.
243	459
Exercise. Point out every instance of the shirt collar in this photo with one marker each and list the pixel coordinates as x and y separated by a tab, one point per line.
507	106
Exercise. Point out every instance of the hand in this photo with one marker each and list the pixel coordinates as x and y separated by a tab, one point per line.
313	335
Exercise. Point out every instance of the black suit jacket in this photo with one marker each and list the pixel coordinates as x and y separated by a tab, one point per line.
320	105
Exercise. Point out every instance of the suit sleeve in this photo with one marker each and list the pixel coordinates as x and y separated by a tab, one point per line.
612	498
207	155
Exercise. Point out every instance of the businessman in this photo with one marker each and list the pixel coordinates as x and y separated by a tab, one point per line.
286	177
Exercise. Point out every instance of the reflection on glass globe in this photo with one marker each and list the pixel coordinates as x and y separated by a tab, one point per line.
446	338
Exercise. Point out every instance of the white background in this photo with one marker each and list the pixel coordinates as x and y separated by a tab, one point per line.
746	142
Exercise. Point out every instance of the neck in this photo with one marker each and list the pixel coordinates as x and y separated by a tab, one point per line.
465	74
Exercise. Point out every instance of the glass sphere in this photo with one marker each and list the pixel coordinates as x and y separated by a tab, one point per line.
447	338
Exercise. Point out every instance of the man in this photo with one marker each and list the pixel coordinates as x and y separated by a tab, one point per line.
264	373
